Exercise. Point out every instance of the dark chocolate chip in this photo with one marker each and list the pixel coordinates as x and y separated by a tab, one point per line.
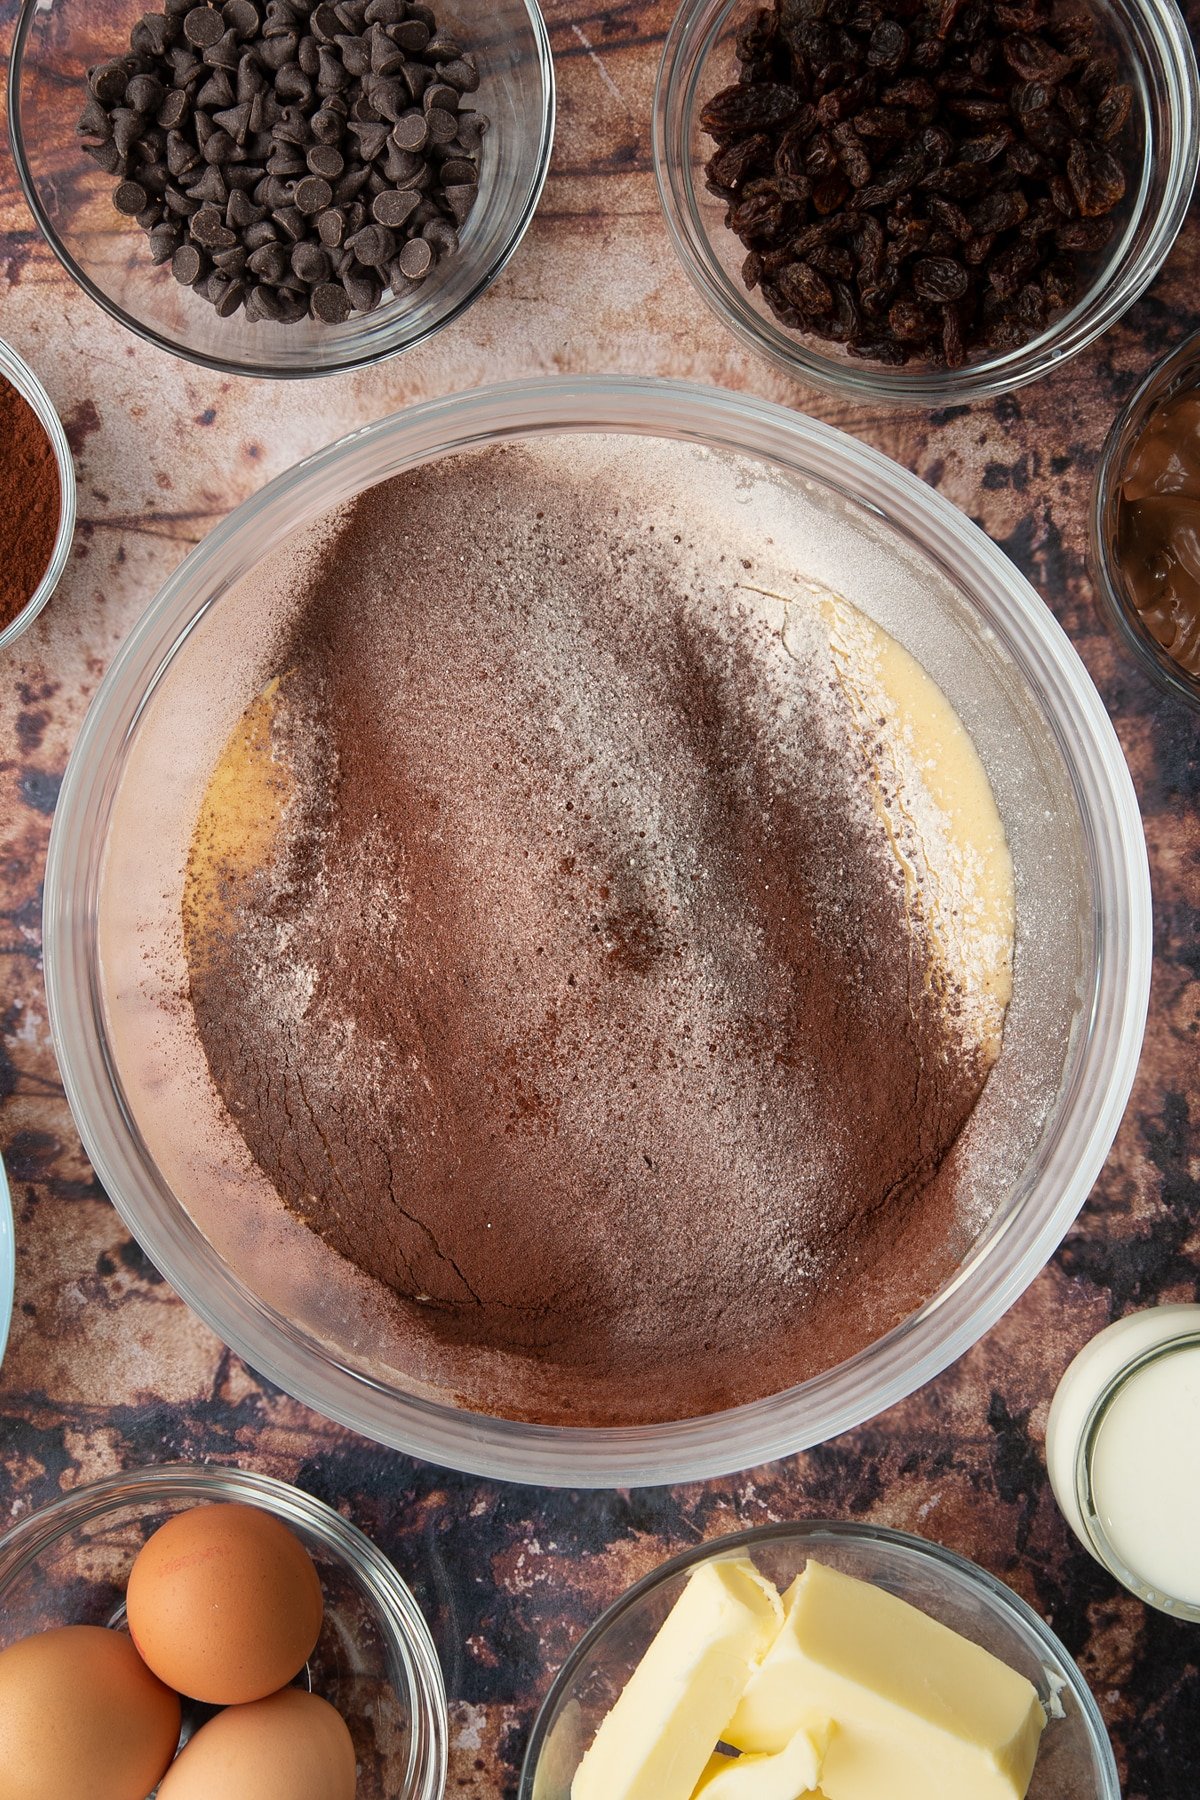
108	82
145	94
441	236
330	303
270	263
291	221
209	229
264	232
460	76
313	194
209	187
364	287
460	198
202	26
416	259
411	35
374	245
411	132
331	228
311	264
326	161
188	264
443	126
394	207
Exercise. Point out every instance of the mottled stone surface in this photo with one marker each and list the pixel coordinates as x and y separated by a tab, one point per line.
107	1369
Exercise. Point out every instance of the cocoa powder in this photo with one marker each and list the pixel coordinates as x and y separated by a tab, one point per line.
31	502
579	1005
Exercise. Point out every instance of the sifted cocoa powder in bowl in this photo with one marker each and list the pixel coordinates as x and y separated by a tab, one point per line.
30	502
578	1001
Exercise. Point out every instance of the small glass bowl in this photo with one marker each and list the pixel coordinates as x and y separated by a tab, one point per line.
1181	369
1160	64
16	370
57	41
69	1564
1075	1758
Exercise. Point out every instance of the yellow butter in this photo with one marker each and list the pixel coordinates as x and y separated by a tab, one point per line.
654	1743
790	1774
919	1712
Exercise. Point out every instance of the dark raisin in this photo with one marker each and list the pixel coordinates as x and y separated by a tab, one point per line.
738	110
1008	268
830	192
913	92
911	322
758	218
729	168
805	289
998	212
1112	112
888	46
940	279
757	36
1033	59
950	217
954	351
1096	177
1081	236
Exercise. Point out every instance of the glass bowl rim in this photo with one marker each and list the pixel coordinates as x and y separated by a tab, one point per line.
992	1590
18	373
1114	608
924	387
350	361
398	1614
921	1345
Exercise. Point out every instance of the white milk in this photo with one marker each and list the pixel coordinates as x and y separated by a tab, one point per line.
1123	1453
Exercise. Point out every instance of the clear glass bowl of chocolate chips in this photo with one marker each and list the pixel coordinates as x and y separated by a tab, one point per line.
921	201
282	187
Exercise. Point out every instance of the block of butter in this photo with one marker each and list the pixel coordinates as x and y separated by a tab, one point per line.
671	1714
919	1712
790	1774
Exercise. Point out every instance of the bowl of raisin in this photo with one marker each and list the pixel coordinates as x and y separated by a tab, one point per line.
925	201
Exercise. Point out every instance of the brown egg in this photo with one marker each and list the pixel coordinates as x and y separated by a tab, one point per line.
81	1714
224	1604
292	1746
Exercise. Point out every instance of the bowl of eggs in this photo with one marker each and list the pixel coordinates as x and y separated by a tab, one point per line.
204	1633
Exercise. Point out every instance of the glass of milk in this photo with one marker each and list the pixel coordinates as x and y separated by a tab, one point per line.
1123	1454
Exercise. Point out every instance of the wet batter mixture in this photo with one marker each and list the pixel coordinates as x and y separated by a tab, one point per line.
600	937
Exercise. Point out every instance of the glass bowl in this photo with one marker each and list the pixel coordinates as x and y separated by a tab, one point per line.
1181	369
57	41
1072	1036
1075	1758
1159	62
69	1564
16	370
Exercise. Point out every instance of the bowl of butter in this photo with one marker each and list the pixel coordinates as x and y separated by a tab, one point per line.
841	1662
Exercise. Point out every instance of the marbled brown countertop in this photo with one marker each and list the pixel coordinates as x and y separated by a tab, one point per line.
107	1369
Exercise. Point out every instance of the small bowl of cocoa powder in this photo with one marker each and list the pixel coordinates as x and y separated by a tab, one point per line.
37	496
924	201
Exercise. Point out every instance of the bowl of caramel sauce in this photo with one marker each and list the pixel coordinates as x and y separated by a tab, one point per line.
1145	548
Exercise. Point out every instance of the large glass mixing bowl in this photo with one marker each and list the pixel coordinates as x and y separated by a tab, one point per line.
931	578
